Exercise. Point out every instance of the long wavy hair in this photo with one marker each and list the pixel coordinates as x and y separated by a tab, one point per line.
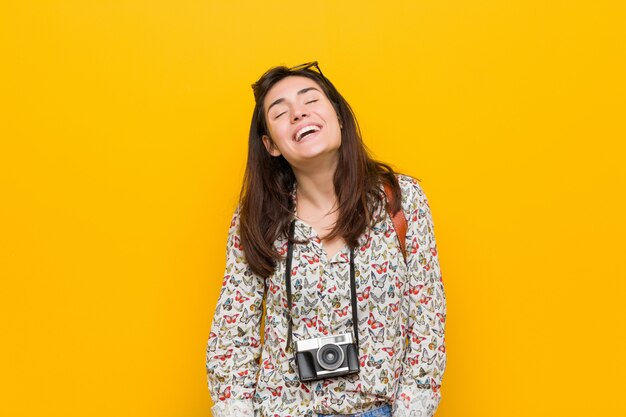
266	206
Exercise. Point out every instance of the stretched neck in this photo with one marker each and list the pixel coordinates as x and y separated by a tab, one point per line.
316	187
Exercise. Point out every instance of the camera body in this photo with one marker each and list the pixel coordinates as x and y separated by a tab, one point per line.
327	356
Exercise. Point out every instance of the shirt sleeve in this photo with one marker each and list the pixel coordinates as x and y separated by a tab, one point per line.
234	347
418	393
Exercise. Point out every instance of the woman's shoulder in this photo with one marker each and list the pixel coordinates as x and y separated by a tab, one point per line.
412	192
408	182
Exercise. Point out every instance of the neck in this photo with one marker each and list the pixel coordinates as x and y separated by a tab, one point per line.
316	187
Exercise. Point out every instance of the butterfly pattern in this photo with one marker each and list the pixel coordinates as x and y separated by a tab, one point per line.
401	321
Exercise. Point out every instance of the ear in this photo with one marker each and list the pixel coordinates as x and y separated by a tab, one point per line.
270	146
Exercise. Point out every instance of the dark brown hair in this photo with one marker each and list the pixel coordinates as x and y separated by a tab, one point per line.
266	206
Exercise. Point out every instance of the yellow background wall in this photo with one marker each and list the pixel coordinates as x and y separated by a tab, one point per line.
123	134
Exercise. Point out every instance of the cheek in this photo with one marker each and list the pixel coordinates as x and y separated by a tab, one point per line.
279	134
332	116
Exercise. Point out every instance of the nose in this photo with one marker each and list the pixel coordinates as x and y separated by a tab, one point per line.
299	112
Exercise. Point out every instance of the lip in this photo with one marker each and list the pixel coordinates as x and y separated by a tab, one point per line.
293	137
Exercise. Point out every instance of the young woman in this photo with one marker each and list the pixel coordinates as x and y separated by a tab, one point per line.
354	307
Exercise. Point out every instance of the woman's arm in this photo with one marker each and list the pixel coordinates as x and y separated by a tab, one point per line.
418	392
234	347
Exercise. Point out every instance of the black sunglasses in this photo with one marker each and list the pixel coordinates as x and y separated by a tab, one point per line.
302	67
308	66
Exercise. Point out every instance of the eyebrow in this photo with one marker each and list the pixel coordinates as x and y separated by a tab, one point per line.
280	100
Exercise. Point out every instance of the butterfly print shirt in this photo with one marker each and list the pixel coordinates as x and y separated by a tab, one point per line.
401	314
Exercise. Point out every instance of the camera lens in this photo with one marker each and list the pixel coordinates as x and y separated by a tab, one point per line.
330	357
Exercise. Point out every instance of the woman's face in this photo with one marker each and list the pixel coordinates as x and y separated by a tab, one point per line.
302	123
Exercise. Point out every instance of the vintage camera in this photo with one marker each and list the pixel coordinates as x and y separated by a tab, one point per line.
327	356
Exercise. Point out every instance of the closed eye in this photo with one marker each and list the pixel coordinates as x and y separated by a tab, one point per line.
307	102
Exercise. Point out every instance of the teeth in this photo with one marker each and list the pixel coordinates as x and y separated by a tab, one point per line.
304	130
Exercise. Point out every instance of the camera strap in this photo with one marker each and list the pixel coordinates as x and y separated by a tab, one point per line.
355	321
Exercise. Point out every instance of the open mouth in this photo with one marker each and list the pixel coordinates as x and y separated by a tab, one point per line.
306	131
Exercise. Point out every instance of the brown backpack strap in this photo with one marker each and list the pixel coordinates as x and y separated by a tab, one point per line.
398	219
